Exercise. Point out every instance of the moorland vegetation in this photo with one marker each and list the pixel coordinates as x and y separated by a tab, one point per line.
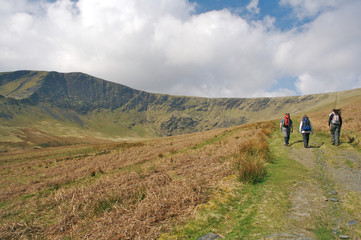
239	182
49	109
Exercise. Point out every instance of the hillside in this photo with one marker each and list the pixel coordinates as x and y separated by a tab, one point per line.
237	183
44	109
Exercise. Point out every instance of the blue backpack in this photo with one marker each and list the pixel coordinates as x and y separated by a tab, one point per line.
306	126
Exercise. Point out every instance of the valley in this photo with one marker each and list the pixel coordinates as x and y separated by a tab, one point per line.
185	186
111	173
49	109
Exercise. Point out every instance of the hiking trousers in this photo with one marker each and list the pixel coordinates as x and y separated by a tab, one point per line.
335	133
286	133
306	138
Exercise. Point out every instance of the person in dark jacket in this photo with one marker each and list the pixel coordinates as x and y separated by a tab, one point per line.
335	124
305	130
286	127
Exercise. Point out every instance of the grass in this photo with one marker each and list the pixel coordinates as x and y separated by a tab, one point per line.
349	163
324	230
22	87
240	182
249	211
51	187
157	182
330	157
352	204
253	211
236	216
250	170
63	126
250	165
184	178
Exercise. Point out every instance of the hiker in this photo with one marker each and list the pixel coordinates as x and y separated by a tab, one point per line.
286	127
305	130
334	124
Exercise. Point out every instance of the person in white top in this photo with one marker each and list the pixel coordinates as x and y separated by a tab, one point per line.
305	130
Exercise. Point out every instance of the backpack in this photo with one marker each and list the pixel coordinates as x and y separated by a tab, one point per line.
287	121
306	126
336	119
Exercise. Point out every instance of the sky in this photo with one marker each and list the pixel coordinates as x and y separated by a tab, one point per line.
205	48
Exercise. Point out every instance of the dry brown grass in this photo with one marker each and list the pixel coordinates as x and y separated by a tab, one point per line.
120	191
254	153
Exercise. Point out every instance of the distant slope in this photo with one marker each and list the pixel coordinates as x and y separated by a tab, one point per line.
76	107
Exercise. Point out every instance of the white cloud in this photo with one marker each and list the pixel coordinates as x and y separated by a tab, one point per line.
252	7
163	46
307	83
310	8
327	54
281	92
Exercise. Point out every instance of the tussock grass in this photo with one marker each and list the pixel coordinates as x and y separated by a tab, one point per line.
254	153
122	191
250	171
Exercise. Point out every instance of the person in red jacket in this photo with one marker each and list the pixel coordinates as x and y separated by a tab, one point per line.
335	124
286	127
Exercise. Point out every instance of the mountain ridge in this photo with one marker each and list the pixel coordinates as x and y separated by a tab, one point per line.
84	107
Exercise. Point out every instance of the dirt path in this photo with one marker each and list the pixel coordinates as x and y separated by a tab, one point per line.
329	198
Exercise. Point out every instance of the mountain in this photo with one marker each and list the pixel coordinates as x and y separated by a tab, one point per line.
44	109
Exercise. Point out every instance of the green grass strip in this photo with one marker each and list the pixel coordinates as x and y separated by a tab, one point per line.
251	211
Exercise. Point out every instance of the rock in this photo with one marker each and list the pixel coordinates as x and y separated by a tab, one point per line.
333	200
352	222
209	236
344	237
332	193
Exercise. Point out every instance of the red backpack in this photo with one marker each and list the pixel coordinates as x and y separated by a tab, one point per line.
287	120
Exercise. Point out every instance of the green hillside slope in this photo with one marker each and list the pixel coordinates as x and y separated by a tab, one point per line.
51	109
240	182
190	185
